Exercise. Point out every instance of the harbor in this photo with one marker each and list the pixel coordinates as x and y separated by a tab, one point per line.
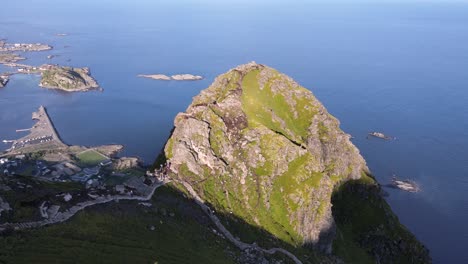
42	136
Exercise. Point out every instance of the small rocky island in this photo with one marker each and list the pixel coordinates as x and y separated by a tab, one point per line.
10	58
67	78
5	47
53	76
405	185
176	77
381	135
3	80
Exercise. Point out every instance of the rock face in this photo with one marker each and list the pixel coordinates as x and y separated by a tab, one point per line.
67	79
258	145
125	163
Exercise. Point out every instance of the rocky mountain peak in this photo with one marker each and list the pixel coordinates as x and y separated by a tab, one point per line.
258	145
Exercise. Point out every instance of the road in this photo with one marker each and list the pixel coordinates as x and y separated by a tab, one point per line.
63	216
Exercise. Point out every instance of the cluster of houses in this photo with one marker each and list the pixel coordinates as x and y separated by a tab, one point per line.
32	69
23	47
89	176
8	166
67	171
61	172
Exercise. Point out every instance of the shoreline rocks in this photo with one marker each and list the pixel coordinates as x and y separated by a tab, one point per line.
176	77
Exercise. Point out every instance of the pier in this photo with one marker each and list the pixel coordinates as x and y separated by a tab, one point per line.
42	136
22	130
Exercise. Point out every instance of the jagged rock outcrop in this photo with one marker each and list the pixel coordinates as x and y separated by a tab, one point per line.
258	145
3	80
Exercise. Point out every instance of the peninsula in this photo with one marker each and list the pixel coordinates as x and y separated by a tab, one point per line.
176	77
48	165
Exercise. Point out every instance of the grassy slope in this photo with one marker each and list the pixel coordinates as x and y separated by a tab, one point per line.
119	233
25	201
366	224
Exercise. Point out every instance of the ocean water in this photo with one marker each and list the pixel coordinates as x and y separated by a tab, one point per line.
399	67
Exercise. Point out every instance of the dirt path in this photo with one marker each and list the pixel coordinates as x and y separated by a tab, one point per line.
241	245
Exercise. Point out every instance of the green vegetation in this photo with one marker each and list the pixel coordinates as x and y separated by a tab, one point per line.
264	106
54	78
67	78
90	158
367	228
253	234
323	132
120	233
111	180
26	200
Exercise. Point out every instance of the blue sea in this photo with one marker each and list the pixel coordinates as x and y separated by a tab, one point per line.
399	67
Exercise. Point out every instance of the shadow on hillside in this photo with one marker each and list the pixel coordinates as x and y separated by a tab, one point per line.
368	230
175	230
172	230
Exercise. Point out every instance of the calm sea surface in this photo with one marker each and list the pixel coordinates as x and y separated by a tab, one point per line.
396	67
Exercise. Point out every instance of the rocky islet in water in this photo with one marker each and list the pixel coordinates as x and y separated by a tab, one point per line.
10	58
7	47
67	78
176	77
64	78
4	78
